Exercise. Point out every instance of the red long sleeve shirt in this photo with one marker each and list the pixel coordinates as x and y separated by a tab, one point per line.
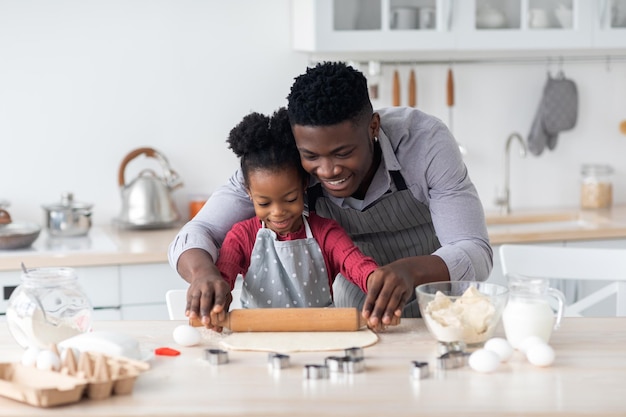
341	255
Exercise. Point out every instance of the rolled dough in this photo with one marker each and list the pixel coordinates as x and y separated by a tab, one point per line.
299	341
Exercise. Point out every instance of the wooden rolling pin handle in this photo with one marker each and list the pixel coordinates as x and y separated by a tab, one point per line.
450	88
291	320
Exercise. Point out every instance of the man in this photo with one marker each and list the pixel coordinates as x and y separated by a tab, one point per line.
394	179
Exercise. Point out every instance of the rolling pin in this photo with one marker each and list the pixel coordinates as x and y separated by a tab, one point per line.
291	320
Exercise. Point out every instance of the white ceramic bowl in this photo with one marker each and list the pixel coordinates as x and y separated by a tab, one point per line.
461	314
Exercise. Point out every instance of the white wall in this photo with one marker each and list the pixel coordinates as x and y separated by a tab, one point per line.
84	83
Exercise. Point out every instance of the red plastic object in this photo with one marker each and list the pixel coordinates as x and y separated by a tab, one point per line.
165	351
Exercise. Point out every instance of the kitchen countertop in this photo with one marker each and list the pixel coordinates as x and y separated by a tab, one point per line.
587	378
103	245
111	245
528	226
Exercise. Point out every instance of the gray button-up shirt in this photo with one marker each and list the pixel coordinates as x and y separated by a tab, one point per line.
418	145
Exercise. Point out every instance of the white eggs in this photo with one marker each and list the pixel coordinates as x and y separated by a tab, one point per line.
186	335
540	354
501	347
29	357
47	360
484	360
529	342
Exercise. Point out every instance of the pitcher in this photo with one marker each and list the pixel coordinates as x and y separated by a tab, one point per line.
528	311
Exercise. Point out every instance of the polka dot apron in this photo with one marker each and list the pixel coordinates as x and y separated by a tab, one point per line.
288	273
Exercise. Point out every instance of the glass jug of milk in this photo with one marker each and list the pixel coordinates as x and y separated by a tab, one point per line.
528	311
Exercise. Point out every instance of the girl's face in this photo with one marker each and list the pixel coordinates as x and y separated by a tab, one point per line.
278	198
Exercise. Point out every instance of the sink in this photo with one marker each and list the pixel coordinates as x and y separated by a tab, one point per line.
539	226
554	225
536	222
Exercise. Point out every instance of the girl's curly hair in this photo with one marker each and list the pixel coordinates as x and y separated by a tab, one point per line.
265	143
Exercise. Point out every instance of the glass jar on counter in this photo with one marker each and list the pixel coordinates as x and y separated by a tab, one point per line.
596	186
48	307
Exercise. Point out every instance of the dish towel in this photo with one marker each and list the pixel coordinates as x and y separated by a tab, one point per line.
557	112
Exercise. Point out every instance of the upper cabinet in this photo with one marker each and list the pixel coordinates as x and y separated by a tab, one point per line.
372	25
609	27
524	24
396	26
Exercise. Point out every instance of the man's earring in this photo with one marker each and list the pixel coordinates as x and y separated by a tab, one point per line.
375	138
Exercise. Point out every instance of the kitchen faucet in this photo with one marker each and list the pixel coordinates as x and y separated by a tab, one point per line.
504	200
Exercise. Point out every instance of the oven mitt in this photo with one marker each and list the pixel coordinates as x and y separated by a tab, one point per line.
558	111
538	138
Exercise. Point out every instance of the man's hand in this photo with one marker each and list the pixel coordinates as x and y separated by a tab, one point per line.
208	296
391	286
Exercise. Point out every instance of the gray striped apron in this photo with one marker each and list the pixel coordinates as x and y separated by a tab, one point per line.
394	227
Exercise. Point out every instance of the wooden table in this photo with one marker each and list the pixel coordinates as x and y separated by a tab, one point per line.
587	378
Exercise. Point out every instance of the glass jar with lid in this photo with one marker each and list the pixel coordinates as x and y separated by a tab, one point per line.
47	307
596	186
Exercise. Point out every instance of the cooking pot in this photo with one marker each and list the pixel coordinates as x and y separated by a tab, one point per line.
68	218
16	235
147	201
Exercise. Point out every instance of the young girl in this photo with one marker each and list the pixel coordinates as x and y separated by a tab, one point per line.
286	258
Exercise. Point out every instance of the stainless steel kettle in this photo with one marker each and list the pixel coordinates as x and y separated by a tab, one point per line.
147	201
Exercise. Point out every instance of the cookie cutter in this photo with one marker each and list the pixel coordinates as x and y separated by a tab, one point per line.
445	347
316	372
277	360
345	364
216	356
419	370
335	363
452	359
354	352
353	365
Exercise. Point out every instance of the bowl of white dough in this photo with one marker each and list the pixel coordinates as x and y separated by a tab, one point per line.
461	314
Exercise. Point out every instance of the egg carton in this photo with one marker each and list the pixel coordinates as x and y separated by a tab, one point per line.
93	376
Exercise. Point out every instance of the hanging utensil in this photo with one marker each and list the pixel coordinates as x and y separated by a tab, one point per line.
395	98
412	89
450	103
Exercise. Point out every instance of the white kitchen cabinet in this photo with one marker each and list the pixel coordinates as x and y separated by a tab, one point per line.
101	284
524	24
355	27
371	25
155	311
127	292
609	28
143	289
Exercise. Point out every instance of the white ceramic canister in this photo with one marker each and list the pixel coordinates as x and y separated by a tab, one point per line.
528	311
48	307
